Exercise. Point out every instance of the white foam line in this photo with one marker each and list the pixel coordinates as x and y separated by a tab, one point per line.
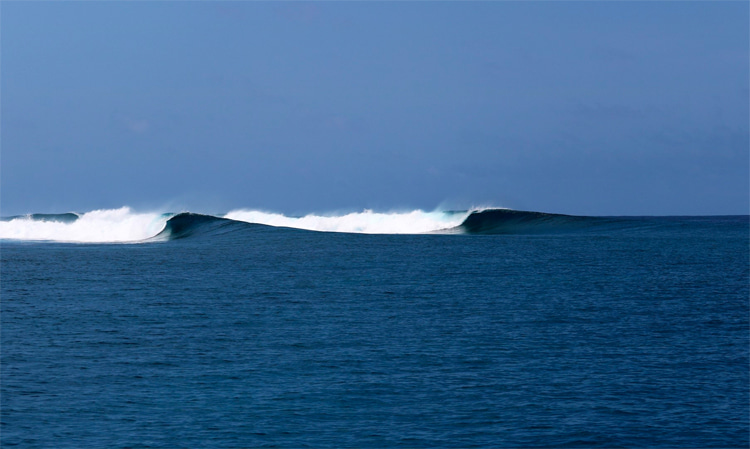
99	226
366	222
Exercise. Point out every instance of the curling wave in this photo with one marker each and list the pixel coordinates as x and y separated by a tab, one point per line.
188	224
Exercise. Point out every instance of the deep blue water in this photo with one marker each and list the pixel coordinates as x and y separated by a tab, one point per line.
250	336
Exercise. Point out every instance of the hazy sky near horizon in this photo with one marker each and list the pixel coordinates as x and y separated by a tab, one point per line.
595	108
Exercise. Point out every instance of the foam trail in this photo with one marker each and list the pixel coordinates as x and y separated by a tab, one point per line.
99	226
365	222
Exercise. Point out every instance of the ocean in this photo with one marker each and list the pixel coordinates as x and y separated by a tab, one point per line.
489	328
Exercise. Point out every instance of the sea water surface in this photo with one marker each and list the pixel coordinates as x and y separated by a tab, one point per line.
505	329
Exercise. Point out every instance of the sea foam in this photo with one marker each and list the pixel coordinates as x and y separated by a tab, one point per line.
126	225
98	226
365	222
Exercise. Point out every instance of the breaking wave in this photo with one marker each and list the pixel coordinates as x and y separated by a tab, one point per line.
366	222
98	226
125	225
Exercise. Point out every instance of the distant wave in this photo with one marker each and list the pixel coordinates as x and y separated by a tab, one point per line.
62	218
125	225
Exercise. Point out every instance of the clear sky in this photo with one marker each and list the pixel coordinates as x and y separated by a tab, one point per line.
595	108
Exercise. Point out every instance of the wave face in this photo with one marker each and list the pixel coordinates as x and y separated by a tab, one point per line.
188	224
507	221
99	226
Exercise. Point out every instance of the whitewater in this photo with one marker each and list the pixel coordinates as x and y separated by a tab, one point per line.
125	225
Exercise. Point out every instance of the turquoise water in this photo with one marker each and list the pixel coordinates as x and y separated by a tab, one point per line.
601	333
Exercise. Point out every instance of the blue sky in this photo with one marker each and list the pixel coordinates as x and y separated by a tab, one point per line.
609	108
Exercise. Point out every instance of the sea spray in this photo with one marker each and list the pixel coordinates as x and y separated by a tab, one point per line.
98	226
366	222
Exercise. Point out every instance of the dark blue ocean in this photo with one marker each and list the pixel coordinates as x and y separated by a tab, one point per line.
537	333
